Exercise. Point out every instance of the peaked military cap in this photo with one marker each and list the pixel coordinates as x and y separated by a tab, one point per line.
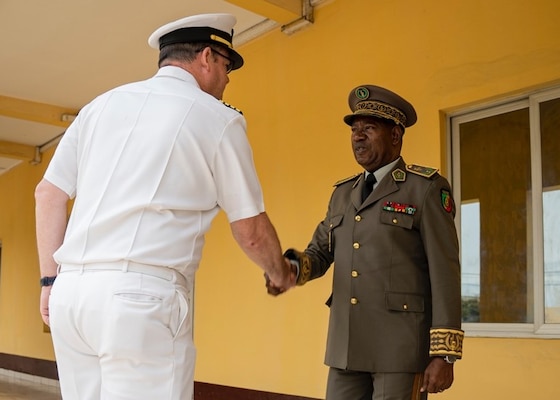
204	28
375	101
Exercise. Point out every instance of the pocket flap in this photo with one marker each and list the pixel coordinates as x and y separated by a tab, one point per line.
404	302
397	219
335	221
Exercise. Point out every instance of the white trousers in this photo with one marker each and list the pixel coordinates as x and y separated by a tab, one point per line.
122	335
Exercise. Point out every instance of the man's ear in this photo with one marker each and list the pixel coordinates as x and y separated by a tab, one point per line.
397	133
205	56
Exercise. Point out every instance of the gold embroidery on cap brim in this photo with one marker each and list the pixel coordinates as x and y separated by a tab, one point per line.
381	109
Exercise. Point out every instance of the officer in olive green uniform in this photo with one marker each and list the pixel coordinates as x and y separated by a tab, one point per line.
395	308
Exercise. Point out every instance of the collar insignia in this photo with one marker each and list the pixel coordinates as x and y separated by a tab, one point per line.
399	175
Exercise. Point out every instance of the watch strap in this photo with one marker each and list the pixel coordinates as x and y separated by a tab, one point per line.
47	280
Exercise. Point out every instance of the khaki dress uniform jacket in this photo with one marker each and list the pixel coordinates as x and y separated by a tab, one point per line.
396	295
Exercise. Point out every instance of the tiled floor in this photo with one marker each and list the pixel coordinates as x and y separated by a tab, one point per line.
16	386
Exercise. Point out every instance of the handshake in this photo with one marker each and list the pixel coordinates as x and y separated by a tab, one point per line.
298	272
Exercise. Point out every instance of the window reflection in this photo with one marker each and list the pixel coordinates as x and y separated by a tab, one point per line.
550	148
470	261
551	229
496	173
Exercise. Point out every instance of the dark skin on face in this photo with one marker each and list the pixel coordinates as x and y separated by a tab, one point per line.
375	141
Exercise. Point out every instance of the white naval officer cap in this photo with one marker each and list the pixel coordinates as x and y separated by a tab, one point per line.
203	28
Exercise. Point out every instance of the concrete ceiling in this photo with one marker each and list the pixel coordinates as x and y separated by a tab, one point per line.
58	55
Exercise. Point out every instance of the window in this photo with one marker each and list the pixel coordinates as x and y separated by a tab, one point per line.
506	181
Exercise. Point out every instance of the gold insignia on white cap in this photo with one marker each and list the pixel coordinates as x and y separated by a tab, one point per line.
204	28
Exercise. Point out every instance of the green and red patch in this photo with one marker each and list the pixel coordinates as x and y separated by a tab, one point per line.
446	200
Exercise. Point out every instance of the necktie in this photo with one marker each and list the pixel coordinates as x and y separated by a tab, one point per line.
368	186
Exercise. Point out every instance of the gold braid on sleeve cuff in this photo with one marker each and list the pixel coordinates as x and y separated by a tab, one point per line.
303	265
304	269
446	341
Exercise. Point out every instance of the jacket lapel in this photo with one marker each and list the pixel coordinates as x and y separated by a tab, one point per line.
356	194
383	189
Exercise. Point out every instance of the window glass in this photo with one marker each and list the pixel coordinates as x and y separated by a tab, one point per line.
470	261
551	228
550	150
495	171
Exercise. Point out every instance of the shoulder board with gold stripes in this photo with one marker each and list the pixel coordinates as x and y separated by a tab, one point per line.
232	107
350	178
426	172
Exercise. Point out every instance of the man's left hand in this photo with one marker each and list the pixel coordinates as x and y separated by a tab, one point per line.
438	376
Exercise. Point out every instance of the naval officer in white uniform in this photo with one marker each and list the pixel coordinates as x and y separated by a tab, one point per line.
149	165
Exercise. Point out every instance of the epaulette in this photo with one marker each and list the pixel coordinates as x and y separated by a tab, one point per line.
426	172
350	178
232	107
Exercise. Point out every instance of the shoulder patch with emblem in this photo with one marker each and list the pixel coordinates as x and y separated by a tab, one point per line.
426	172
232	107
350	178
447	200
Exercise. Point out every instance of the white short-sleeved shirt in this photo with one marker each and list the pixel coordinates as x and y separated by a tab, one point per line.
150	164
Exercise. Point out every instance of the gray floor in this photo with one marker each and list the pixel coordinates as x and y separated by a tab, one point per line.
20	387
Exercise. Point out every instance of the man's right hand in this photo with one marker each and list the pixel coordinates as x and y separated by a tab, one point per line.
276	289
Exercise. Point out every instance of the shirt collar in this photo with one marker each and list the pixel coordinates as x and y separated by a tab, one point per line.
178	73
384	170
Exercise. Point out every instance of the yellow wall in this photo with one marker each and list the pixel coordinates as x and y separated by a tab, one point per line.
438	54
21	327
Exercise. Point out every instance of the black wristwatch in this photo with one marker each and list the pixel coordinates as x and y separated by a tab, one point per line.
47	280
